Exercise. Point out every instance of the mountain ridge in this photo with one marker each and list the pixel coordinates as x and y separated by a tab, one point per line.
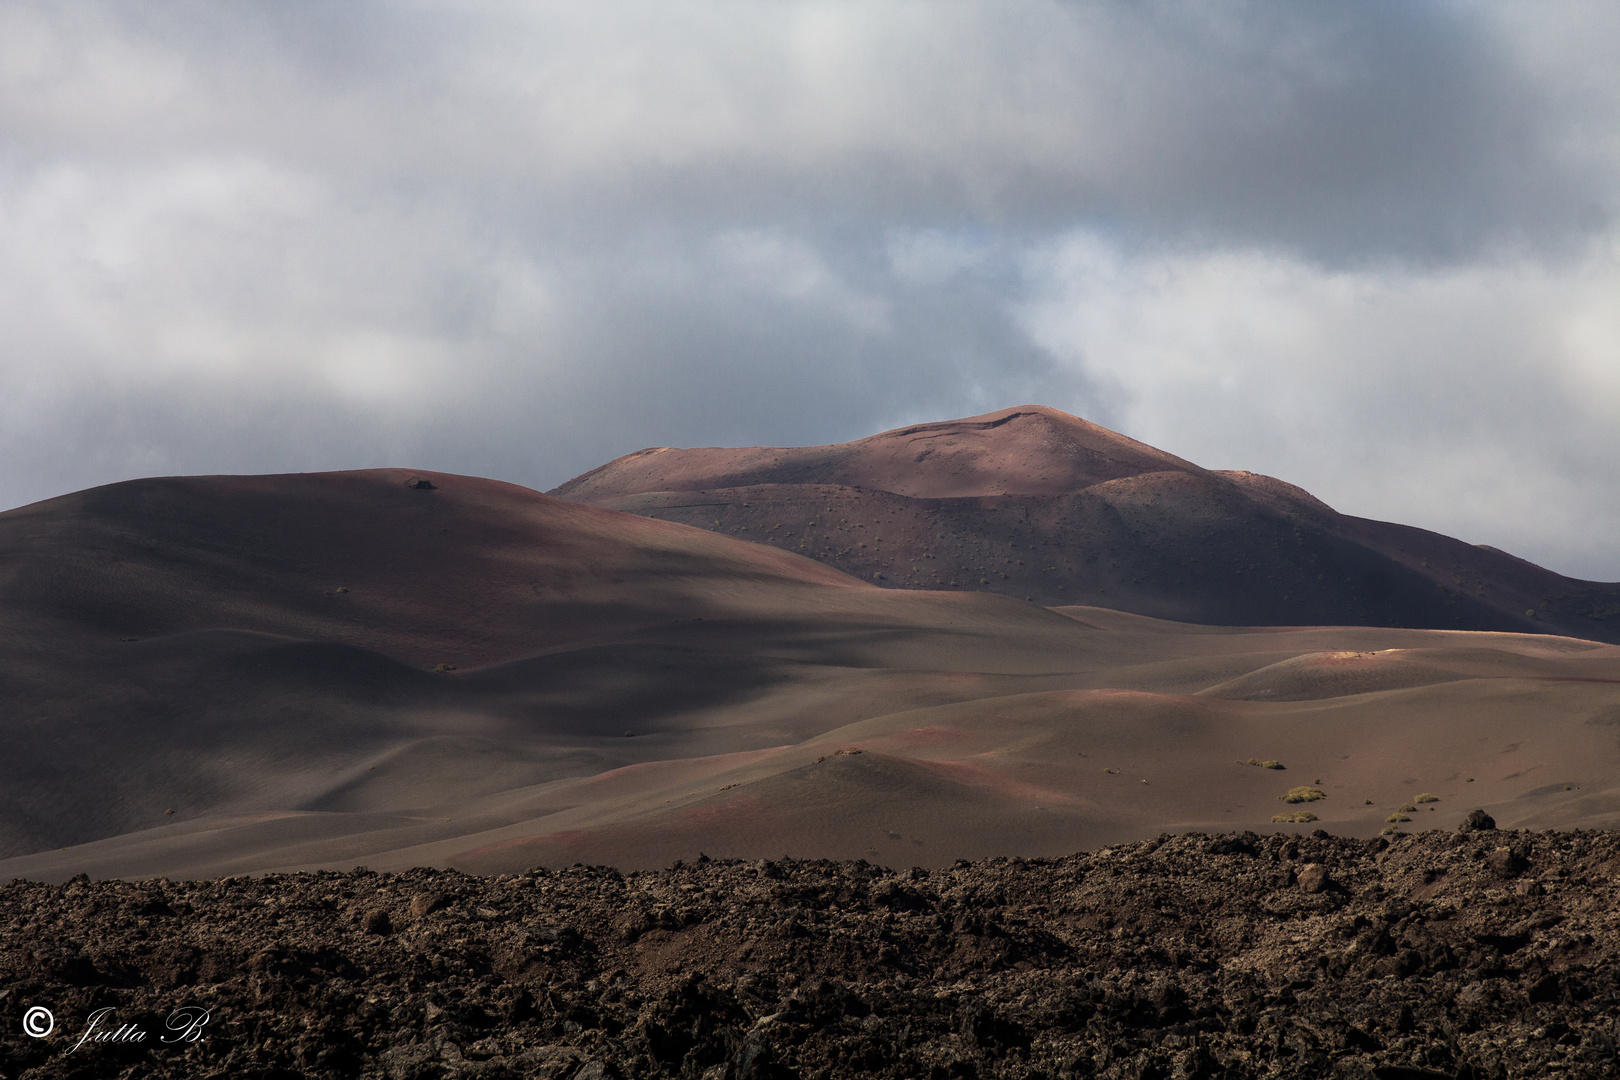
1050	453
1102	519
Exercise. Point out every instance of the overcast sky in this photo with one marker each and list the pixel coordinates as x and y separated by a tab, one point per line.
1370	248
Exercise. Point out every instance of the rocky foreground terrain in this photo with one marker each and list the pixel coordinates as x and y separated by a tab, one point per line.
1475	953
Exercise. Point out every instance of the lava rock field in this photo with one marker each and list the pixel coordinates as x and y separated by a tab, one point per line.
1470	954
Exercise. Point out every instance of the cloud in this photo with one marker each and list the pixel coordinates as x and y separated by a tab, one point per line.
1366	247
1420	128
1479	400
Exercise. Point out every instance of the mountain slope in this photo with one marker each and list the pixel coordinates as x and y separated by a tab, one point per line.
1033	503
221	675
425	567
1030	450
189	644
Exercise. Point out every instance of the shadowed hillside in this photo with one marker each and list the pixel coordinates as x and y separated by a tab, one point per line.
220	675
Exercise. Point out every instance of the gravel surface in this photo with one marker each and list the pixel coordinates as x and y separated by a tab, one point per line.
1476	953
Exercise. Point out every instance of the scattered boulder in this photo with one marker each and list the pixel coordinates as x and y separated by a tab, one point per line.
425	903
1313	878
1507	863
1477	821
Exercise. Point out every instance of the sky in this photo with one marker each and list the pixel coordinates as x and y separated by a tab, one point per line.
1372	249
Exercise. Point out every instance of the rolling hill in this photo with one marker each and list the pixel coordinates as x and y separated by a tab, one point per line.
222	675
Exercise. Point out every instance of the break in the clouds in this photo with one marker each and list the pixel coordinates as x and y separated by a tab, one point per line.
1373	249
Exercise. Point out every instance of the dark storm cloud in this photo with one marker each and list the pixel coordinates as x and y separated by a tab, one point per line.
1338	128
1368	247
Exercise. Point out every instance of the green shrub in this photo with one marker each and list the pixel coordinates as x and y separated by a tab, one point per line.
1303	794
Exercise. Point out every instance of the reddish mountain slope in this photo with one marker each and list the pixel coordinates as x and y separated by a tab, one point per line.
1033	503
233	674
1030	450
192	643
425	567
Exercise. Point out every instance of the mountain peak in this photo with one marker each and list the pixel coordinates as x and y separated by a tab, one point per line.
1024	450
1037	504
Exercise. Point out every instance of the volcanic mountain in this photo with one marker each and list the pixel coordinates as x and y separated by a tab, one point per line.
221	675
1033	503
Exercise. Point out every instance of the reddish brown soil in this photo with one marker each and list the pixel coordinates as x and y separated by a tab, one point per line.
225	675
1444	955
425	567
183	644
1029	450
1036	504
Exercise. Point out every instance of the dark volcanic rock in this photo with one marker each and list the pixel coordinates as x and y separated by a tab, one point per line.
1304	956
424	903
1477	821
1507	862
1313	878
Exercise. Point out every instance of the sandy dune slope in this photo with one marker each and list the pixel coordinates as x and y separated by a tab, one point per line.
259	655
